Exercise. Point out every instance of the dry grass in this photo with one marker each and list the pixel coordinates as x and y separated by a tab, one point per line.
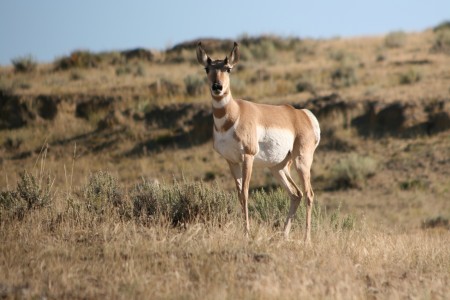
67	250
382	210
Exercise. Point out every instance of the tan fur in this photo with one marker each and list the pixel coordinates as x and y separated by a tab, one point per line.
247	120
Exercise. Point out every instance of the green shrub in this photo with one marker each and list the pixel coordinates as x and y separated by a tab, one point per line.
413	184
352	172
304	48
344	76
102	193
76	75
395	39
264	50
24	64
305	86
124	70
31	193
338	222
442	41
140	70
34	191
194	85
11	205
436	222
442	26
78	59
342	56
182	203
271	207
410	77
147	201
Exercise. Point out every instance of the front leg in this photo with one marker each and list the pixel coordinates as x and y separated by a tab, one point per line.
247	167
236	171
241	176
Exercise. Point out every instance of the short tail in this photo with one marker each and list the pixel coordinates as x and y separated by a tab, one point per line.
315	125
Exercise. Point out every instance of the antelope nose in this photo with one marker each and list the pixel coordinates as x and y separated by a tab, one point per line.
217	86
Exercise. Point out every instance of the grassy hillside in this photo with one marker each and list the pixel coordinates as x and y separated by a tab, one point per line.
110	186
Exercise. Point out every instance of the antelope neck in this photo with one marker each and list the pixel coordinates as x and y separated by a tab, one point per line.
225	112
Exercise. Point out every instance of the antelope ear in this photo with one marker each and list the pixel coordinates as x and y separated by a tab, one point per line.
234	55
202	57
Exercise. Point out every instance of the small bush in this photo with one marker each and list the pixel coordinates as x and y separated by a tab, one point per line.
124	70
265	50
11	205
182	203
24	64
342	56
442	26
352	172
410	77
31	193
147	201
338	222
304	49
414	184
35	192
442	41
344	76
270	207
305	86
76	75
102	193
164	88
436	222
194	85
78	59
21	84
140	70
395	39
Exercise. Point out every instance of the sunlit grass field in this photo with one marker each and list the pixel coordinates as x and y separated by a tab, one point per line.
110	188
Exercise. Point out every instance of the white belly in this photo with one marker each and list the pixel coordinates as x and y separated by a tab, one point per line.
274	145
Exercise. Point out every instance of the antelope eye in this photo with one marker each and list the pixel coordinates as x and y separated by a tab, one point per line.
228	70
207	70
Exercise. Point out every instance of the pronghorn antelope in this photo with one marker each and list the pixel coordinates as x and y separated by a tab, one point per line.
248	134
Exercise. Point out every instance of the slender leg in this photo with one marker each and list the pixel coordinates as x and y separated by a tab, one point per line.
284	177
303	167
236	171
243	196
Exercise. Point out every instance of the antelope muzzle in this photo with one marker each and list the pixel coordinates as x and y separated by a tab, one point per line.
217	87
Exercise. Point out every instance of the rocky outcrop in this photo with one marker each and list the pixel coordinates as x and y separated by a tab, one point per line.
438	116
333	110
138	53
403	119
193	122
87	106
17	111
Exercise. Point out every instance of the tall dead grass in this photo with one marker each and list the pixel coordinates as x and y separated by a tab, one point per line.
185	240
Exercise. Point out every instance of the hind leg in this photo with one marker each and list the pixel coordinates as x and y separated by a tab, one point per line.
303	166
284	178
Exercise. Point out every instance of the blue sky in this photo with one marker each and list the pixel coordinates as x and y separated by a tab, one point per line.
47	29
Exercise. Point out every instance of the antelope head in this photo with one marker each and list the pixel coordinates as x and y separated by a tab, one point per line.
218	71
